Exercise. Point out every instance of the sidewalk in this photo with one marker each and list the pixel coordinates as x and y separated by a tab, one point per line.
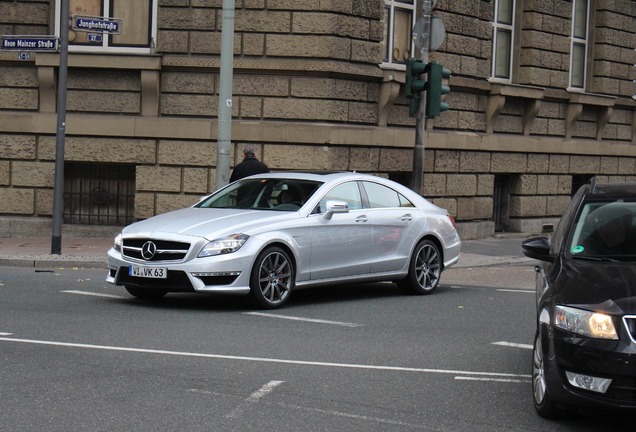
90	252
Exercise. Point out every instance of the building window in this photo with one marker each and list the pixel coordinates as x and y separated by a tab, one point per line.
99	194
503	39
399	19
138	25
580	25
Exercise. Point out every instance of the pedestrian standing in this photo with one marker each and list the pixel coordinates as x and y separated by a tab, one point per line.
249	166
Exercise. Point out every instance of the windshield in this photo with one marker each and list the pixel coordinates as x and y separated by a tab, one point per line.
605	230
269	194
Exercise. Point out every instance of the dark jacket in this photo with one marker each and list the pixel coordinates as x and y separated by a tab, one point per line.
248	167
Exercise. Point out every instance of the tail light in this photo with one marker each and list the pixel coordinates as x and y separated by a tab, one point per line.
452	221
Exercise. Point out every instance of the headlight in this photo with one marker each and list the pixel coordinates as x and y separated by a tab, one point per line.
586	323
224	245
118	243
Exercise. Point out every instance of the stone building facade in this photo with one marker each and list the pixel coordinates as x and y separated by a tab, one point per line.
319	85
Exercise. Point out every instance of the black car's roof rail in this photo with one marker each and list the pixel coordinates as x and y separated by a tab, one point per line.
593	184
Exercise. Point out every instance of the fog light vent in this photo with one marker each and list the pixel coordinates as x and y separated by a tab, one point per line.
587	382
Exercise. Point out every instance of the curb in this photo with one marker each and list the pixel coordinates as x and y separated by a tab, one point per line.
54	261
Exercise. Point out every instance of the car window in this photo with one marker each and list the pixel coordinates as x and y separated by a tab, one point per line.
605	229
348	192
566	219
381	196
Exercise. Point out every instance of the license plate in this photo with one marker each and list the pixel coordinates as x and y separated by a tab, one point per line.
148	272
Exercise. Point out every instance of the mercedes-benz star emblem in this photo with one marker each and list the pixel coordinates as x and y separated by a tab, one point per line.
148	250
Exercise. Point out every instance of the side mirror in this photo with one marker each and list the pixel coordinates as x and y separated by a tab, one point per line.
537	248
333	207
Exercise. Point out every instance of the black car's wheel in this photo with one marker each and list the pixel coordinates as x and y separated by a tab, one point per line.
272	278
425	269
543	403
145	293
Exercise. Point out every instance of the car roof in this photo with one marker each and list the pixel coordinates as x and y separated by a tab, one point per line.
317	176
604	191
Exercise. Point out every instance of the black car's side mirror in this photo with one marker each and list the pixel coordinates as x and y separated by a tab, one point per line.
537	248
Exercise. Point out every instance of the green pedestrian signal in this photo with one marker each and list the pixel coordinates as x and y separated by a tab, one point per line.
414	84
435	89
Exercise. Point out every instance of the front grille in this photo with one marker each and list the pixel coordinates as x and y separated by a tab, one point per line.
165	250
177	281
630	324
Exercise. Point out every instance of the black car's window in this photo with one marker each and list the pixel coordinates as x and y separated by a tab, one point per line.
270	194
605	229
566	220
348	192
381	196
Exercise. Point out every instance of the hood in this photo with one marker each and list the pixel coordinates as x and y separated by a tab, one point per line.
208	222
601	286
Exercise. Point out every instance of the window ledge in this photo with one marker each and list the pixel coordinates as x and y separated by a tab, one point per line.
102	61
497	100
604	106
149	68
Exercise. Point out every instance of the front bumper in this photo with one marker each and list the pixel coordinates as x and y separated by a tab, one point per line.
615	360
222	273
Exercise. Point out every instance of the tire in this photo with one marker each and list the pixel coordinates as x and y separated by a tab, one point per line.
425	269
272	278
543	403
145	293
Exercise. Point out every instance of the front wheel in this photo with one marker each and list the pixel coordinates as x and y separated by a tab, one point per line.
425	269
272	278
145	293
543	403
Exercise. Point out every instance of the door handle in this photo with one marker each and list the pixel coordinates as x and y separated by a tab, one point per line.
407	218
362	218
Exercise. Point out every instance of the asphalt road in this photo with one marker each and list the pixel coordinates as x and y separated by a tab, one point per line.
77	354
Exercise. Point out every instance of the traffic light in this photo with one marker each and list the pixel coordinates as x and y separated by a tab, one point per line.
414	83
435	89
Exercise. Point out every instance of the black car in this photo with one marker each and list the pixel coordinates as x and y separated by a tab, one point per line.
585	344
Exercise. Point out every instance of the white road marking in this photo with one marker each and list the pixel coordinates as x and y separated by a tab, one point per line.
6	334
254	397
266	359
493	379
92	294
362	417
311	320
513	345
332	412
516	291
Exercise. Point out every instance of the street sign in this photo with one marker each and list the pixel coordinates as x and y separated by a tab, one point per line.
96	24
29	43
438	33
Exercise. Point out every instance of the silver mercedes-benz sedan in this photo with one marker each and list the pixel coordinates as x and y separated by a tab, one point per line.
268	234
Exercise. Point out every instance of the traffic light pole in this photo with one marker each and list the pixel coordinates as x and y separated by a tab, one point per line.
420	125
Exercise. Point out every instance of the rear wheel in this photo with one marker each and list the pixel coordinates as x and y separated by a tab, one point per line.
272	278
424	270
145	293
543	403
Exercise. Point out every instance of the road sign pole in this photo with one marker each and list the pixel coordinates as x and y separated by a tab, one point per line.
58	188
420	124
